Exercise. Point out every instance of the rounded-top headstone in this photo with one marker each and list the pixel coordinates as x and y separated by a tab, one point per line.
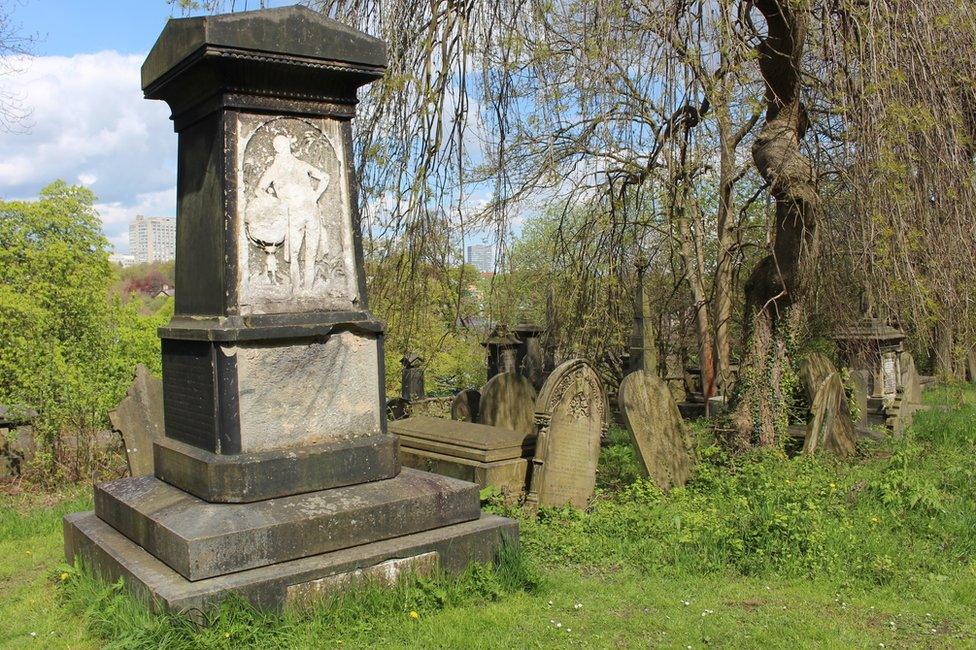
663	445
508	401
466	406
571	410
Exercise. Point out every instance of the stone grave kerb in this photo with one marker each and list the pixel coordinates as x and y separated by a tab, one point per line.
270	308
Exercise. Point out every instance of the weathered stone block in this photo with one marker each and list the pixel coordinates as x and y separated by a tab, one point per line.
112	556
202	540
243	478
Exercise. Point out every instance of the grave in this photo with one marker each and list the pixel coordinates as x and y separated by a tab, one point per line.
571	412
663	446
830	427
412	377
479	453
508	401
466	406
501	348
531	357
139	418
276	478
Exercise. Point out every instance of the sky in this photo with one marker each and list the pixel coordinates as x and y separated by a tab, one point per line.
88	122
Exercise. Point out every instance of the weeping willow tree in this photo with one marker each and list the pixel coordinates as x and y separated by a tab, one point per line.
767	160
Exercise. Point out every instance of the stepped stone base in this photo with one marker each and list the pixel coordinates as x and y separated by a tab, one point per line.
294	583
202	540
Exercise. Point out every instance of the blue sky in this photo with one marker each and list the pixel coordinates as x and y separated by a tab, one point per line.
87	121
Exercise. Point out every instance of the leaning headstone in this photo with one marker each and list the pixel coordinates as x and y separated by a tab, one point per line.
508	401
276	478
830	428
571	412
663	446
139	418
466	406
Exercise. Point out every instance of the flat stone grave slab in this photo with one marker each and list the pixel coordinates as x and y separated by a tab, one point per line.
202	540
463	439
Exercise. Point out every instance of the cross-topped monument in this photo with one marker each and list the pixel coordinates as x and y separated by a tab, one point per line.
277	478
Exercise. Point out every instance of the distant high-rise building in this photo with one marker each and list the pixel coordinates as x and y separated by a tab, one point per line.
152	239
481	257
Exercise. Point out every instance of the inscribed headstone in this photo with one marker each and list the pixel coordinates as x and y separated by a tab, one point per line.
662	443
571	411
508	401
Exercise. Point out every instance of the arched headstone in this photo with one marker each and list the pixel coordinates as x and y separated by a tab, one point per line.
662	444
571	411
508	401
466	406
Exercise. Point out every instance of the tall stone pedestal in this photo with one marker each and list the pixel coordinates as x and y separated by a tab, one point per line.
276	476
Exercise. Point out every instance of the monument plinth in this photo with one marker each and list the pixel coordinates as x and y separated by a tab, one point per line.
276	470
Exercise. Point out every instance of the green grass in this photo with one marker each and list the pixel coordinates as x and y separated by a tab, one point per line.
758	550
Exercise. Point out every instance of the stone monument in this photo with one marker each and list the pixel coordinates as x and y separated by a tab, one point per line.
501	348
571	413
531	357
276	476
412	378
508	401
662	443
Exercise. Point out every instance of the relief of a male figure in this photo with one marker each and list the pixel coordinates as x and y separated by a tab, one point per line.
297	186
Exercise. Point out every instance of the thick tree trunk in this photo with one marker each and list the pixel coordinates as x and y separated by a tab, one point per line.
777	281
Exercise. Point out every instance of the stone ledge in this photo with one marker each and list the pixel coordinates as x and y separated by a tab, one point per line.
245	478
111	556
202	540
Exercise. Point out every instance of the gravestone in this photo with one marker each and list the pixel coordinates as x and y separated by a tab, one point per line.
531	358
830	428
473	452
276	478
139	418
397	408
571	412
861	380
662	443
508	401
466	406
412	378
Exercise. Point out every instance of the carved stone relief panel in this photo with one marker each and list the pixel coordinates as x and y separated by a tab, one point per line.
295	250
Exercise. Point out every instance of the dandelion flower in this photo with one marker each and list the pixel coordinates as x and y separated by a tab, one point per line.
64	576
414	615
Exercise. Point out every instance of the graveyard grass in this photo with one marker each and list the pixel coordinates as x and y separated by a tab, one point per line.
756	550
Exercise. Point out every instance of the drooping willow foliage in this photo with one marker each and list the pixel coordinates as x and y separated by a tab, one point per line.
585	137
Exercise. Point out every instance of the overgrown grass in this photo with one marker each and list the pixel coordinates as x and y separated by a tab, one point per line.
361	616
758	549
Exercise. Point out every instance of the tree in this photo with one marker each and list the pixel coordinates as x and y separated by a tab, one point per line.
66	349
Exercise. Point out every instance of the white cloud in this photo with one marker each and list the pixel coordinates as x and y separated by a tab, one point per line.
90	124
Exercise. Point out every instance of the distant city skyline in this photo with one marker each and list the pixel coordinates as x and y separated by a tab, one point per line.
152	239
481	257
